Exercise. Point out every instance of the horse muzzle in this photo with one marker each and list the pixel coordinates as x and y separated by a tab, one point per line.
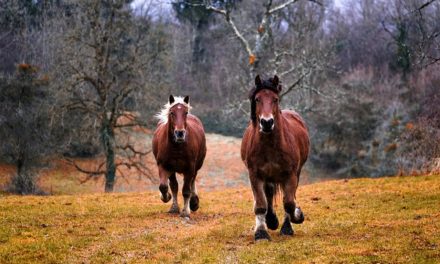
179	136
267	125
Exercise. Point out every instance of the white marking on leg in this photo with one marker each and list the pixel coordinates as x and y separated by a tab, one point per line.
186	210
297	213
175	203
260	222
193	188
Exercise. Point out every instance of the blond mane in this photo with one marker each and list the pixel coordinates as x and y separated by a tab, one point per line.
163	114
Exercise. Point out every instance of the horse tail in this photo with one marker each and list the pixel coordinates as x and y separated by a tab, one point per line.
277	193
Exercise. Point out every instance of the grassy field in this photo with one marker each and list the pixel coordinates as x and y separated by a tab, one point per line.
387	220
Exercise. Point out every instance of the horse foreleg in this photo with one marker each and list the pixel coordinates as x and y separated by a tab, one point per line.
186	192
271	217
194	201
260	208
163	184
174	185
292	213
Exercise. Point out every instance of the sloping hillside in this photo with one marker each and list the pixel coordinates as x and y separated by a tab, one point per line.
222	168
388	220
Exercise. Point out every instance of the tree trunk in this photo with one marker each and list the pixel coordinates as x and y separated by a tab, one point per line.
23	182
108	141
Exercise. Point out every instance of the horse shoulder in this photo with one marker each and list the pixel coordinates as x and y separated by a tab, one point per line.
246	142
159	138
197	138
294	117
297	131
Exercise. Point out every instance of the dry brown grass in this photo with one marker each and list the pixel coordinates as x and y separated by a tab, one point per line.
387	220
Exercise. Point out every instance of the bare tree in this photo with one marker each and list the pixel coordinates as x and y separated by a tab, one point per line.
263	52
105	53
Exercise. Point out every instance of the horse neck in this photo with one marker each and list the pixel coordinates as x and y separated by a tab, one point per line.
169	132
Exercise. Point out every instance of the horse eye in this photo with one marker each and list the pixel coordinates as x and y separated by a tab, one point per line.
257	100
275	100
172	114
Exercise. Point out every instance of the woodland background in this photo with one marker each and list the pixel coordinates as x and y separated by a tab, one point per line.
83	80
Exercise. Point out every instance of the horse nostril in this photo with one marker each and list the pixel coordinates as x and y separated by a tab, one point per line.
180	133
270	122
267	123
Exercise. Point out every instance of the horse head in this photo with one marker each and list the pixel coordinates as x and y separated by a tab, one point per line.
265	99
177	116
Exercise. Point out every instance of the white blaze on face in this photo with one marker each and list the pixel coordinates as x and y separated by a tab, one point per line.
266	117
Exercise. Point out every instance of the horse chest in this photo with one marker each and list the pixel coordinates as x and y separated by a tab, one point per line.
178	161
270	169
273	164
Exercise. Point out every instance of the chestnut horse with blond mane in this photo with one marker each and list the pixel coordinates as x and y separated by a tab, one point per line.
275	147
179	146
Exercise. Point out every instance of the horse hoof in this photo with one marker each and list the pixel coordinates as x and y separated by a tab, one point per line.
167	198
174	210
194	203
272	221
286	229
261	234
298	216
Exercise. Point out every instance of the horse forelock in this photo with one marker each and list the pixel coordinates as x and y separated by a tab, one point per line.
265	84
163	114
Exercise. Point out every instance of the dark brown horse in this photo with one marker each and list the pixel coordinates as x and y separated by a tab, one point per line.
275	146
179	146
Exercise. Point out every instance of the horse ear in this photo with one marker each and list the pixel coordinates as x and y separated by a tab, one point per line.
257	81
275	81
186	99
171	99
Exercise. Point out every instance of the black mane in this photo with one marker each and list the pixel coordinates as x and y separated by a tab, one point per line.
272	84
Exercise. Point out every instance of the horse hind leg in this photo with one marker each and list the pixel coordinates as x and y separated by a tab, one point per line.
271	218
194	200
174	185
292	213
298	215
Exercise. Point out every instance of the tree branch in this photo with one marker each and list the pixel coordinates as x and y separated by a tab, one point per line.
91	173
281	6
426	4
231	23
